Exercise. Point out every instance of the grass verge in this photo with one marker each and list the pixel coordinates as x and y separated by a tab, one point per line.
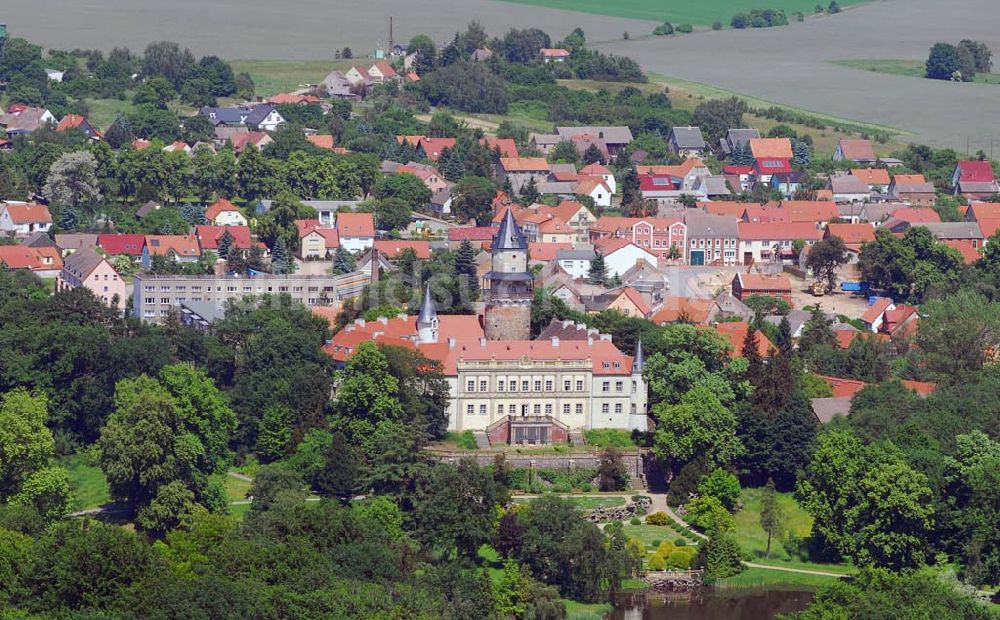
583	502
236	489
271	77
762	577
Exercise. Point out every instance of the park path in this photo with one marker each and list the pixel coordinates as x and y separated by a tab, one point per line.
804	571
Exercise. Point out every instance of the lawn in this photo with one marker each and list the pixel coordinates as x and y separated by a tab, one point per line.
648	534
911	68
271	77
87	483
583	502
761	577
102	112
677	11
236	489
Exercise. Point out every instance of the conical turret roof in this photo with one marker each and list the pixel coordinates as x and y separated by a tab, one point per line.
428	312
509	237
639	361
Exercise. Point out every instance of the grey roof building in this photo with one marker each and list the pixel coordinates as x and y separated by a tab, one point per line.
686	139
613	136
825	409
954	230
739	137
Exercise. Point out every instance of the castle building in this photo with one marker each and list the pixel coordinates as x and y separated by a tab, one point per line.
503	385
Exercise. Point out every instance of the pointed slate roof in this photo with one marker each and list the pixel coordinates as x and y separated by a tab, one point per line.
427	310
509	237
639	361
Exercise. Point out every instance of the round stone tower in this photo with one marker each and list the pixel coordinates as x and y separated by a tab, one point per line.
508	300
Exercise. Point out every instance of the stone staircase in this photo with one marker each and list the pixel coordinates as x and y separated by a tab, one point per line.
482	441
577	438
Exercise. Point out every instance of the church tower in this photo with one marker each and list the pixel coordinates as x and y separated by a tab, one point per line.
427	320
508	301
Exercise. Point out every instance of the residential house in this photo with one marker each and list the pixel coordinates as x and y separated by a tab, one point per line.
432	148
428	175
686	142
877	179
887	317
356	231
602	171
659	236
853	235
556	54
596	188
738	177
338	86
959	234
857	150
258	139
576	215
771	148
661	189
912	189
177	248
737	137
816	212
688	172
315	241
75	121
765	167
620	255
118	244
902	218
735	333
774	242
359	77
21	120
765	214
147	208
848	188
694	310
630	302
711	239
575	262
746	285
382	72
263	116
44	262
208	237
974	179
224	213
732	308
787	183
71	242
614	138
506	146
544	253
711	188
86	268
440	201
20	219
521	170
987	215
649	279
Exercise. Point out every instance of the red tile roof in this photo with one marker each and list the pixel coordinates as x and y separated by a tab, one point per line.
554	52
393	248
985	210
307	227
970	253
71	121
637	300
695	309
355	225
771	148
846	336
764	215
433	146
779	232
115	244
725	207
471	233
220	206
923	388
293	99
761	282
185	246
524	164
843	388
322	141
595	170
772	165
507	146
33	259
917	215
385	69
810	210
876	310
872	176
680	170
27	213
975	171
851	234
736	333
546	251
208	236
857	149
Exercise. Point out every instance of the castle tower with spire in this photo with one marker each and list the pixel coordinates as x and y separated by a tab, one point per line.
508	300
639	395
427	320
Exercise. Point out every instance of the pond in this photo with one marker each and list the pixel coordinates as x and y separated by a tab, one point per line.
709	604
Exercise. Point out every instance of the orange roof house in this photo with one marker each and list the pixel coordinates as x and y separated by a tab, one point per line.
771	148
507	146
853	235
872	176
394	248
224	213
749	284
37	260
736	332
692	309
813	211
524	164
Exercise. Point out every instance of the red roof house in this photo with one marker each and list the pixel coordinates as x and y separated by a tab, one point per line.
128	244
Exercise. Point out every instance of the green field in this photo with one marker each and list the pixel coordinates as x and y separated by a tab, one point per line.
271	77
911	68
236	489
677	11
761	577
87	483
583	502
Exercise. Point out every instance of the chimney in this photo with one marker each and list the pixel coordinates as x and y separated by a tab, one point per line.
605	337
383	320
451	343
555	341
482	343
590	340
359	322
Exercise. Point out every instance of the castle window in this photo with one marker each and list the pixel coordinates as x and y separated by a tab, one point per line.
579	409
618	407
482	385
548	409
633	407
500	409
567	384
605	408
538	386
579	386
537	409
482	409
619	386
548	385
566	409
470	386
524	385
470	409
500	386
606	386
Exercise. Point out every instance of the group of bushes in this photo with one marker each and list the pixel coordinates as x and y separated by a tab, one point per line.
759	18
663	519
672	555
557	480
667	28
